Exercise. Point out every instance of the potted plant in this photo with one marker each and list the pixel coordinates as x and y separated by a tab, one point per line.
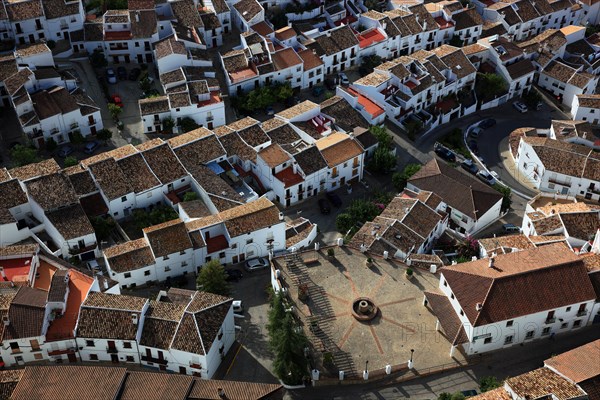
330	252
303	292
369	262
328	359
409	273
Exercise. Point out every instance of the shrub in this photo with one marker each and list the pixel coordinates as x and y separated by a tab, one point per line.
488	383
330	252
213	279
51	145
70	161
22	155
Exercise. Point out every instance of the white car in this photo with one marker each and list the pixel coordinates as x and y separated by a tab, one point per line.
256	264
520	107
486	177
344	79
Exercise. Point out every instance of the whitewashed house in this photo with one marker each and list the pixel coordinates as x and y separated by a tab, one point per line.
586	107
565	82
472	309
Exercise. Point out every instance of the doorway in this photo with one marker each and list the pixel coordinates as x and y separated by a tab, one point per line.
114	358
72	357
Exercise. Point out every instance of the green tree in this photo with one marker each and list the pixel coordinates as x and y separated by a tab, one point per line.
457	396
413	127
114	111
383	160
103	227
279	20
532	98
284	91
22	155
190	196
51	145
455	41
104	134
490	85
288	342
506	196
382	135
369	63
276	314
70	161
399	179
213	279
97	59
344	222
187	124
168	123
76	137
488	383
145	84
158	215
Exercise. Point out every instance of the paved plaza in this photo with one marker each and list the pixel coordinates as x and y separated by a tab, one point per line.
402	323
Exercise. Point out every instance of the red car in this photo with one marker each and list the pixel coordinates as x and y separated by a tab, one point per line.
115	98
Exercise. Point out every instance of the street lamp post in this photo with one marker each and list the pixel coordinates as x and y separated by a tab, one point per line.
410	362
366	371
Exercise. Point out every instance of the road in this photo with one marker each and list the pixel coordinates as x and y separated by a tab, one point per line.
501	364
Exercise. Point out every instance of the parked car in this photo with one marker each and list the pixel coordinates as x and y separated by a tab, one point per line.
238	306
318	91
330	84
473	146
520	107
511	228
111	77
122	73
469	393
539	105
256	264
324	206
469	166
269	110
65	150
233	275
486	177
445	153
116	99
334	199
134	74
475	132
344	79
90	147
487	123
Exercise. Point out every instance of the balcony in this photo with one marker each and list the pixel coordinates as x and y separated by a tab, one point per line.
61	352
210	118
557	182
550	320
111	350
75	250
64	26
54	131
195	366
92	122
74	125
160	361
581	313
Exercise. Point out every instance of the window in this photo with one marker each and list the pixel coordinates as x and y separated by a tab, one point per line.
14	347
149	194
222	254
508	339
127	275
249	241
124	199
38	356
545	331
577	323
167	268
452	296
147	272
126	345
137	44
563	325
129	359
93	357
462	313
183	370
487	340
568	309
234	246
509	323
90	343
35	346
529	335
220	335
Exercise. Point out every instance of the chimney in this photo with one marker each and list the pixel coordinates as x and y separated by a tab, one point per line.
137	16
491	261
295	168
134	318
478	306
105	284
424	25
221	392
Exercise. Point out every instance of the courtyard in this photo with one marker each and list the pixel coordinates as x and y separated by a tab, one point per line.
340	341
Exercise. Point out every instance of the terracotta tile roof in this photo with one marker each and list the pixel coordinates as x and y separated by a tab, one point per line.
451	324
140	5
18	249
12	194
473	198
154	105
262	28
71	222
310	160
169	46
161	323
189	137
467	19
129	256
342	150
559	71
582	225
8	382
254	135
280	132
520	68
248	9
81	179
214	184
31	49
30	171
553	271
561	157
164	164
589	100
200	152
373	79
494	394
153	386
59	285
234	145
473	49
504	244
286	58
52	191
274	155
26	314
24	10
297	230
4	175
337	40
310	59
456	60
168	238
412	213
117	154
346	117
579	364
107	316
16	81
115	301
543	382
209	390
138	173
67	382
110	178
201	323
